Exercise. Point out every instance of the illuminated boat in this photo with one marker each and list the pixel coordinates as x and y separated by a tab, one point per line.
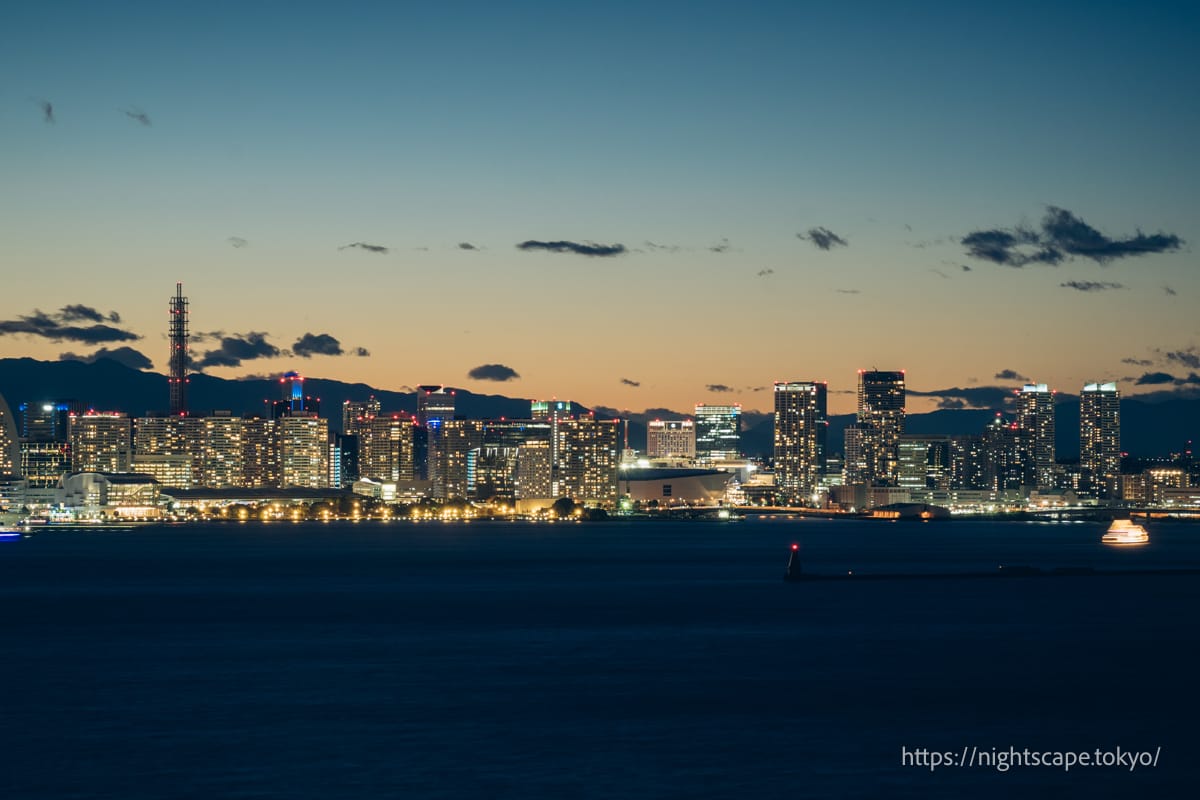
1125	531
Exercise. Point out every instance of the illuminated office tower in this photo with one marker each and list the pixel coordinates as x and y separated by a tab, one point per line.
170	449
45	442
356	413
435	407
923	462
671	438
223	456
10	446
303	451
553	412
718	432
177	378
534	470
591	454
46	421
385	447
1035	426
494	471
1100	437
293	402
457	451
101	442
801	425
881	399
260	457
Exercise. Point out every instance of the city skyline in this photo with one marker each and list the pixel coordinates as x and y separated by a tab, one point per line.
629	207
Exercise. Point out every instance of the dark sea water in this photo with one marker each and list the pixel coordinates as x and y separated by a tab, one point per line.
597	660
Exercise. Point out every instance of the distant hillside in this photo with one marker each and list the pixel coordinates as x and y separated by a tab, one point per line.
1147	429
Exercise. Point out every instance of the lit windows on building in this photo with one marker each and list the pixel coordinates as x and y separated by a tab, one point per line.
101	442
671	438
1035	422
718	432
801	425
1100	437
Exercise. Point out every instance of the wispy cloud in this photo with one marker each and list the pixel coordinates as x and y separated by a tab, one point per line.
848	291
823	238
720	247
466	246
137	115
362	352
669	248
47	111
493	372
236	349
762	273
134	359
61	326
238	241
1010	375
1189	358
370	248
1137	362
718	387
1061	235
989	397
1169	291
578	248
1091	286
1155	379
629	382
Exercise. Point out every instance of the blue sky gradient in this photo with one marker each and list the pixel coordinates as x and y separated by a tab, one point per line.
701	136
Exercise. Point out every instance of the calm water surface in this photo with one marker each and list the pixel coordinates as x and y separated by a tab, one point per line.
596	660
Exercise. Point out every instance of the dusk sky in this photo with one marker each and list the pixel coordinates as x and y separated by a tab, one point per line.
635	205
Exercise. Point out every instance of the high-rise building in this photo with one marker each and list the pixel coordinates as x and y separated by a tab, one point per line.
553	412
459	441
881	401
177	334
303	447
293	402
223	456
592	453
46	421
101	442
1100	437
496	467
10	447
435	407
923	462
671	438
801	426
356	413
260	456
1035	424
718	432
386	447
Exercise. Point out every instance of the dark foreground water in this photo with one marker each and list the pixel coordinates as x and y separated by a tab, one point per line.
596	660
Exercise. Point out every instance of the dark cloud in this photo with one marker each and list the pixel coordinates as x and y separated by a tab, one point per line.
466	246
362	352
629	382
1010	375
237	241
199	337
1091	286
59	327
131	358
965	268
1137	362
1001	247
1154	379
823	238
47	111
990	397
493	372
582	249
137	115
237	348
317	344
1061	235
78	312
1188	358
762	273
719	387
370	248
1169	291
720	247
